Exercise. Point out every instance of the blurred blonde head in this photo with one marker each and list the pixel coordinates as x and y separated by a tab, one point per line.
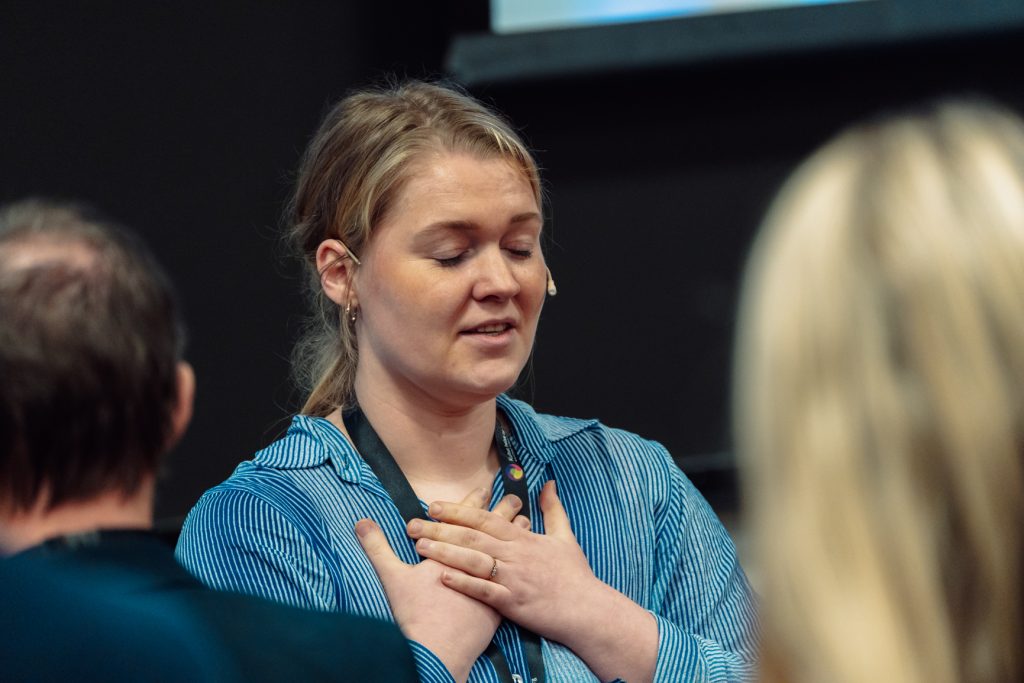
880	404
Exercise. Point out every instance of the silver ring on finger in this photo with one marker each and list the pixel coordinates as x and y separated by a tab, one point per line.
494	570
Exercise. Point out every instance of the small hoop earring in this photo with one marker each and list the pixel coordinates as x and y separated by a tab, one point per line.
351	313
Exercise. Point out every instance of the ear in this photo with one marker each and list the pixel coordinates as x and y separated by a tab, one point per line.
335	264
181	414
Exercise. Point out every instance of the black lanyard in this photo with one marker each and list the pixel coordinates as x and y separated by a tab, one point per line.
383	464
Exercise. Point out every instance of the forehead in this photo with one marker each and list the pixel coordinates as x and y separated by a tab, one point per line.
444	185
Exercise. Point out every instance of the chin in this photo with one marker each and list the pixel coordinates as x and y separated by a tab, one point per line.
478	382
489	391
482	389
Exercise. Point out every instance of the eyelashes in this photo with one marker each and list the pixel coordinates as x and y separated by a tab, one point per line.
452	261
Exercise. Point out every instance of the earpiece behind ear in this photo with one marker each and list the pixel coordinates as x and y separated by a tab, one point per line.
552	290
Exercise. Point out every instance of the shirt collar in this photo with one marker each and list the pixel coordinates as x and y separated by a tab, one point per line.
314	441
311	442
538	434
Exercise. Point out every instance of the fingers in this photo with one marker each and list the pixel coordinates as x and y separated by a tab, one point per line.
556	522
477	498
375	545
488	592
491	523
454	535
522	522
508	507
469	561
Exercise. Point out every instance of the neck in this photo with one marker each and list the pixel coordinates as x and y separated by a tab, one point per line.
445	452
109	510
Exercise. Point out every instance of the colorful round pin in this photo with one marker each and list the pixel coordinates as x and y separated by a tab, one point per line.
513	472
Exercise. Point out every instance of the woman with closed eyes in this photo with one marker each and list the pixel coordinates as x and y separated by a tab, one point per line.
411	487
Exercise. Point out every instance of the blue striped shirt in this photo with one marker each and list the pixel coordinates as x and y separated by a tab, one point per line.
282	527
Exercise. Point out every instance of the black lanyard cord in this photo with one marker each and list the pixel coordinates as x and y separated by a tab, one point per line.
383	464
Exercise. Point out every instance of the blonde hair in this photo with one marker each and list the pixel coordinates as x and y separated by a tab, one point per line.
351	173
880	404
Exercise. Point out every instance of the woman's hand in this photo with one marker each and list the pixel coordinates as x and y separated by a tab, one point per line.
540	581
538	578
452	625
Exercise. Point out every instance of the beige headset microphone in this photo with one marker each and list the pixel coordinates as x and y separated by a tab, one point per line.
552	290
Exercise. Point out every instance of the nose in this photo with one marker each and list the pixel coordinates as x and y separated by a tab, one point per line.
495	276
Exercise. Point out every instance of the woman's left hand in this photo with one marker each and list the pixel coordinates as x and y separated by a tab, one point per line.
542	582
538	580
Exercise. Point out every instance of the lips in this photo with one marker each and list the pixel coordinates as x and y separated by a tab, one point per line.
493	328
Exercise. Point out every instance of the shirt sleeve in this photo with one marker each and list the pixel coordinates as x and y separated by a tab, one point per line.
234	540
706	618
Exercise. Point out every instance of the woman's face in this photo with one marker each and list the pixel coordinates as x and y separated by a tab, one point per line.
452	283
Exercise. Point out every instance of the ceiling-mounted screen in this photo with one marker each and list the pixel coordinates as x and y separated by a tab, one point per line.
566	38
515	16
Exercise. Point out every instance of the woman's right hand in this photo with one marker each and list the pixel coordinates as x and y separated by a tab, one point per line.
453	626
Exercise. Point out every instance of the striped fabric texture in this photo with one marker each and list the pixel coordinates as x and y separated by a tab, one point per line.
282	527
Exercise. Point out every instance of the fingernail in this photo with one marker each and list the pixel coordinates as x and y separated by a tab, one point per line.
445	576
423	544
435	509
362	527
415	527
515	502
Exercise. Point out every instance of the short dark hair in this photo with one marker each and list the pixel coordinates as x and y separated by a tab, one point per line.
90	339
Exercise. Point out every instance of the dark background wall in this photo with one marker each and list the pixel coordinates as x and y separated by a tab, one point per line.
186	121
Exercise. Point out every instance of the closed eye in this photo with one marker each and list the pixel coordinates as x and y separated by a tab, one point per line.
452	261
521	253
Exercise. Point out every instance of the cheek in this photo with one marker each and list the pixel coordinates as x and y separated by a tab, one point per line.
403	290
535	290
431	301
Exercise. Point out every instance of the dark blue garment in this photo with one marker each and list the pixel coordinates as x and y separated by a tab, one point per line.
55	626
282	527
115	605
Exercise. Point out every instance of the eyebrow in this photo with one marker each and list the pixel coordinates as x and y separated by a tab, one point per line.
469	226
522	217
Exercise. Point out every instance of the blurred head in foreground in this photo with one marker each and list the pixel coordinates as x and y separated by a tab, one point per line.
880	404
